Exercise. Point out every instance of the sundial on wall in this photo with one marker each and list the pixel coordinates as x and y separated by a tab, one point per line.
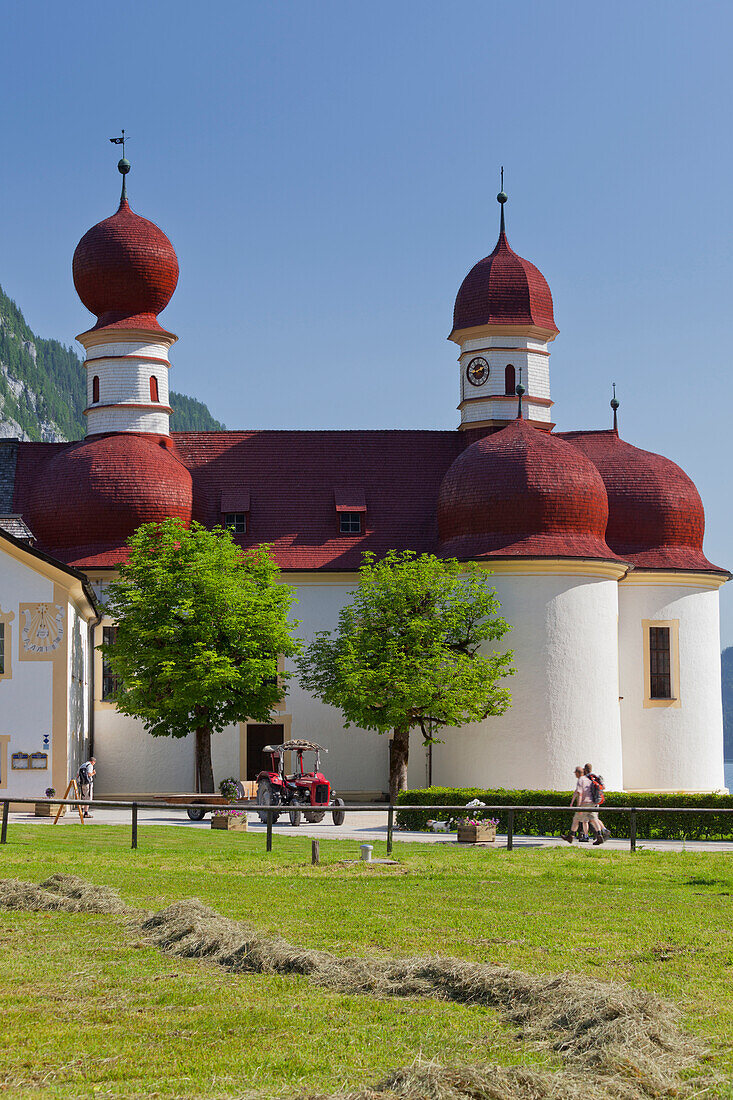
43	627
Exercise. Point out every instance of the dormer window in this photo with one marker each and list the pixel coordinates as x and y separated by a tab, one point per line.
95	389
350	523
236	522
351	511
234	509
154	389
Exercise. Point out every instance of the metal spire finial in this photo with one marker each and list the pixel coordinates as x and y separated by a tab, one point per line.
502	198
614	406
519	391
123	165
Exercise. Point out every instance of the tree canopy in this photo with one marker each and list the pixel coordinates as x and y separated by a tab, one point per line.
200	627
412	649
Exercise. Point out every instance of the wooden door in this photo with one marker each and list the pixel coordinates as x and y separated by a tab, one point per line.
257	738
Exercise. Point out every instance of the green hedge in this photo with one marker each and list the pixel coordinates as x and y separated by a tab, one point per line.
538	823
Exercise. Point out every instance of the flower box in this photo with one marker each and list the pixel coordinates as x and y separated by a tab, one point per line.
48	809
476	834
229	822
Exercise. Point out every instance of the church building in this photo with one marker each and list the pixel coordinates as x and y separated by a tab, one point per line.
595	546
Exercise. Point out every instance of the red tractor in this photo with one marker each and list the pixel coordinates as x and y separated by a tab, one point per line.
302	794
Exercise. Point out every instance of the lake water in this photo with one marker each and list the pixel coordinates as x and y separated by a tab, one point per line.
729	775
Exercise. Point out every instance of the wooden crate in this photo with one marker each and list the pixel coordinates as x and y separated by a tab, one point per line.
476	834
226	821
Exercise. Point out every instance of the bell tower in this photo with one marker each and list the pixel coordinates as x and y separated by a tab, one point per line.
503	323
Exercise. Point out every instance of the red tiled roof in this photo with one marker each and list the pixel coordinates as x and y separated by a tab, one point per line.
656	517
125	271
522	492
504	289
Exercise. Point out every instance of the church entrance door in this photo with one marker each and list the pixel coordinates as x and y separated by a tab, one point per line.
257	738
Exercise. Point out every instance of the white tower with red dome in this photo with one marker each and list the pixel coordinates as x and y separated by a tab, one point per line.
503	322
125	271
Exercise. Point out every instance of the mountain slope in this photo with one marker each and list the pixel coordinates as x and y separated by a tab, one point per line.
43	388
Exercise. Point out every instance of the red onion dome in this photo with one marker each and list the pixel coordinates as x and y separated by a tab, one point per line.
125	271
504	289
656	518
522	492
93	495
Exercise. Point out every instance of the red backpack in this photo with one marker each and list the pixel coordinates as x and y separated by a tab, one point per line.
597	789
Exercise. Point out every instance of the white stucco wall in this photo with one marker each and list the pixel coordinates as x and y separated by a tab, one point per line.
565	708
124	370
673	748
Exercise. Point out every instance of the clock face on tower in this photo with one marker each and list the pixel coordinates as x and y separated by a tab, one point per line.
477	371
43	627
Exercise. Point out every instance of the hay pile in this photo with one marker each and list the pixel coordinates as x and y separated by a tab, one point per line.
623	1042
60	893
617	1043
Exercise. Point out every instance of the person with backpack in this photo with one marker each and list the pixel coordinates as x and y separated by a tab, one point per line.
87	771
582	796
598	794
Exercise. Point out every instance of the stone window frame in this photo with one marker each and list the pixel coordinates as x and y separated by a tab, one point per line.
673	625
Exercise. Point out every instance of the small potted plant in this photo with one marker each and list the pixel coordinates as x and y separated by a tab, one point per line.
47	809
229	819
477	830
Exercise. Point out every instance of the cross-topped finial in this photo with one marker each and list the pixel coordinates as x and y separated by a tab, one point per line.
501	198
519	391
123	165
614	406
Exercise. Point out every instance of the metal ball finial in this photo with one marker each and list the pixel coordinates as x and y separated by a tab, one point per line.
123	166
502	197
520	389
614	405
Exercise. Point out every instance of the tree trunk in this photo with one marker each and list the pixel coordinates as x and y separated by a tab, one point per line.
203	760
399	752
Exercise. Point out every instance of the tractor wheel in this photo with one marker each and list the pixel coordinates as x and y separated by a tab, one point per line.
314	818
338	815
196	815
295	817
265	797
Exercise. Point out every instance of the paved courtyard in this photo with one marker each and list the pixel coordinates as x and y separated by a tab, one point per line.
366	827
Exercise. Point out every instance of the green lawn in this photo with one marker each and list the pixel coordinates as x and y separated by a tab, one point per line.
87	1011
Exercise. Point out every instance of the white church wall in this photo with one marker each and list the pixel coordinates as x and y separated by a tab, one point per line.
26	695
676	746
565	708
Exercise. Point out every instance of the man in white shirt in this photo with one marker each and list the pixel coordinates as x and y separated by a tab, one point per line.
582	797
87	771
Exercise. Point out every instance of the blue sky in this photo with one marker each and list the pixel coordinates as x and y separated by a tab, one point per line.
327	172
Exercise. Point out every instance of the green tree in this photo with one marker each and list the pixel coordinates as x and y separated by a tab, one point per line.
411	651
200	627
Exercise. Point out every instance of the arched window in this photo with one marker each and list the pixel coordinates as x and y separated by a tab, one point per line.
95	389
510	379
154	388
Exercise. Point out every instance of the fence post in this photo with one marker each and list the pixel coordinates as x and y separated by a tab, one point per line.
390	828
315	852
510	831
269	829
134	825
4	834
632	830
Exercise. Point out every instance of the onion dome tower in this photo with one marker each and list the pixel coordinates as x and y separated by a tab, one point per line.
523	493
125	271
503	322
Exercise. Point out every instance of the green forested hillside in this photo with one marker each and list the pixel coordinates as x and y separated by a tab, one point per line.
43	391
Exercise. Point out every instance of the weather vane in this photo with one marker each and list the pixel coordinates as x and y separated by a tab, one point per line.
121	141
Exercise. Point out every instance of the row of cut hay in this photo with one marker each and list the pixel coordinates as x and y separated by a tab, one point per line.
60	893
627	1038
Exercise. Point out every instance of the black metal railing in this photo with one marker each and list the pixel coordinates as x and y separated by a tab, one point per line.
271	812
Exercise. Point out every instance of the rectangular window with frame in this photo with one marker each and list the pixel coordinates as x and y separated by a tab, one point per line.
110	682
660	669
350	523
236	522
661	662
